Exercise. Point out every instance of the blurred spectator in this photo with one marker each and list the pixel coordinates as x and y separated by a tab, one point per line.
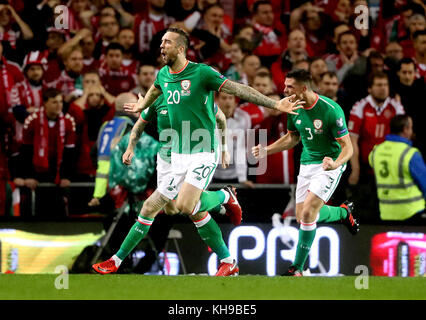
393	53
84	39
79	11
400	174
239	48
317	67
296	51
11	74
409	91
146	76
70	80
338	29
279	166
417	22
237	123
47	153
329	87
90	111
250	64
108	33
347	47
316	25
55	39
114	76
263	83
150	22
420	56
91	78
181	9
26	96
272	39
126	37
355	82
369	123
13	28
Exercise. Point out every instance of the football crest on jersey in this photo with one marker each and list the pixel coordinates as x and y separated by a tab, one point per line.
317	124
185	84
339	122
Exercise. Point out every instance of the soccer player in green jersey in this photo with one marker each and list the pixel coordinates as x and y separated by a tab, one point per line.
321	127
207	228
188	90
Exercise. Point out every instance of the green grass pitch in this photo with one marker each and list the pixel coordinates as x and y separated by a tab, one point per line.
194	287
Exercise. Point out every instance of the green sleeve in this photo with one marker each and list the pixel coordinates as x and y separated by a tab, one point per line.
213	80
157	80
290	124
149	113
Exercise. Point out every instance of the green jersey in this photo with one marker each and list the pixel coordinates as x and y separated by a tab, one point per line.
319	126
159	109
189	96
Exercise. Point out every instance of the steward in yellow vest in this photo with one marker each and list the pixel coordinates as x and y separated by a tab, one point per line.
400	173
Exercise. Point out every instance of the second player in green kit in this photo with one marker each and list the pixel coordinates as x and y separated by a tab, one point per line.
321	126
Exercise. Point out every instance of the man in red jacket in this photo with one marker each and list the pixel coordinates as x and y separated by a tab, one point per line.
47	153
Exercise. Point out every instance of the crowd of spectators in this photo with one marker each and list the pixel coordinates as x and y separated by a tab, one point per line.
64	62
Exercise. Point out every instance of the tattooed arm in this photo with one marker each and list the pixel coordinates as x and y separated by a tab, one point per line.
252	95
135	135
221	123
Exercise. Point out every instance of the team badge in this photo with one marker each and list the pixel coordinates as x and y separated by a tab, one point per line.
163	111
388	114
339	122
317	124
185	84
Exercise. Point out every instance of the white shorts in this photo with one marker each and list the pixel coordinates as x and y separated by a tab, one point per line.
163	169
197	169
313	178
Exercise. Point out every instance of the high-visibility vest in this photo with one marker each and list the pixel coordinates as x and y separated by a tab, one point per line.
109	135
399	196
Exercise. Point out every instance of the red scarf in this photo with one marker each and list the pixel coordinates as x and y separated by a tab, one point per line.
41	141
7	79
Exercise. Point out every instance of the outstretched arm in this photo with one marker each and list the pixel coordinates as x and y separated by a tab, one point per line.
143	102
286	142
252	95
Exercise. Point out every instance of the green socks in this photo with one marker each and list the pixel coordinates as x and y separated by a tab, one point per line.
210	200
210	233
135	235
331	214
307	233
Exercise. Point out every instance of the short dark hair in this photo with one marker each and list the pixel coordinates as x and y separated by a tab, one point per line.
376	75
405	60
51	93
114	46
398	123
183	37
330	74
257	4
419	33
349	32
301	76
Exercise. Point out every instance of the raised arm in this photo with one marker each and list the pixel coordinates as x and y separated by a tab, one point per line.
252	95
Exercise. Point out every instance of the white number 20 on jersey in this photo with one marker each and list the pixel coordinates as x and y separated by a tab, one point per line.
173	95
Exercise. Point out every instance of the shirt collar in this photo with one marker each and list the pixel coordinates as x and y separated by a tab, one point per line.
397	138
